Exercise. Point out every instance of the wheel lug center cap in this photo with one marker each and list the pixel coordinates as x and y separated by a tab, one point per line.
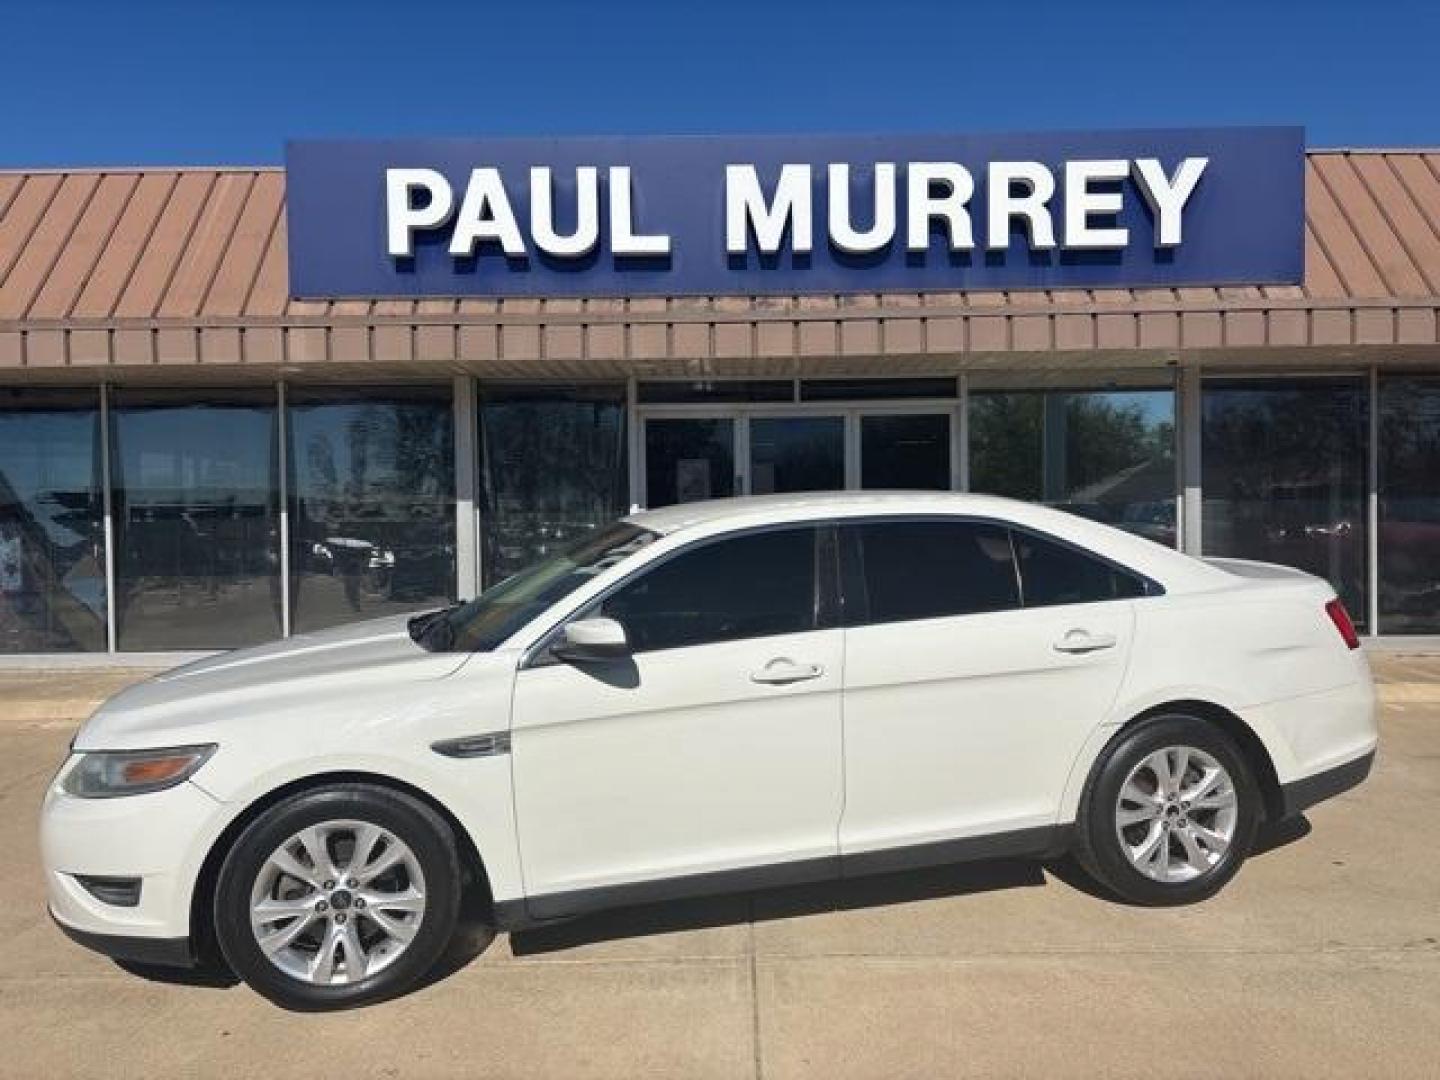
340	900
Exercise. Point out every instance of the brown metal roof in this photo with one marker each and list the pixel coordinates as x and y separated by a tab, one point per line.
126	268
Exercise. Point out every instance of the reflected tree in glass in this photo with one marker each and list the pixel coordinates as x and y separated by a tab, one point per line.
1284	474
553	467
1107	455
372	502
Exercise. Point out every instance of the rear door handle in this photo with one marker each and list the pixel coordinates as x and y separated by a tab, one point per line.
784	670
1082	641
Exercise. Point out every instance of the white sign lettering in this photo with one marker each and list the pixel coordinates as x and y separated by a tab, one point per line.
1023	196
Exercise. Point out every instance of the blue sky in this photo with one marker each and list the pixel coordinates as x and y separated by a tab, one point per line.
135	82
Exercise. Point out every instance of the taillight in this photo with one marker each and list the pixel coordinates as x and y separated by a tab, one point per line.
1341	618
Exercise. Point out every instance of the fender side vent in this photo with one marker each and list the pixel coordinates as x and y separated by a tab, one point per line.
473	746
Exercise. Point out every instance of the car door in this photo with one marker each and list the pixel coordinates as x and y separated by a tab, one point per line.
978	659
713	749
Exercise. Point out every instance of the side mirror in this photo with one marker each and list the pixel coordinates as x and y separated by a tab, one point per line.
591	641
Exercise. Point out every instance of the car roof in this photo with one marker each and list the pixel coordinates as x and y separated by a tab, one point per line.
801	506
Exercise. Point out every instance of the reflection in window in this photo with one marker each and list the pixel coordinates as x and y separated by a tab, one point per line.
1409	593
52	546
372	502
936	569
1284	476
1106	455
552	468
197	561
741	587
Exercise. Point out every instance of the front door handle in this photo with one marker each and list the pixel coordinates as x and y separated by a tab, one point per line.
1082	641
783	670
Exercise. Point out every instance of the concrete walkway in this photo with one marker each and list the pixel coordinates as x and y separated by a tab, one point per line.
1321	960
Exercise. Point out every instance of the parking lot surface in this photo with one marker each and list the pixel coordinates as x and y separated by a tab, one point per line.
1322	959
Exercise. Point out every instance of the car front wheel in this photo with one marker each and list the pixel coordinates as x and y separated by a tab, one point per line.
339	896
1169	813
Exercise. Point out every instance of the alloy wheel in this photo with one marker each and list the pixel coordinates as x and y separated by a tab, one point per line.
337	902
1176	814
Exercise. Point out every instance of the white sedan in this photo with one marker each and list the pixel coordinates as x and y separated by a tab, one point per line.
715	696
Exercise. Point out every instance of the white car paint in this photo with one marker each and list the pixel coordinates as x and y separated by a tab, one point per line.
911	733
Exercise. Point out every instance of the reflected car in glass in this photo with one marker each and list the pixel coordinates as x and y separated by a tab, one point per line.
711	697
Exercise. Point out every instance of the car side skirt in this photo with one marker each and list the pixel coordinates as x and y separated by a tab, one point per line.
523	914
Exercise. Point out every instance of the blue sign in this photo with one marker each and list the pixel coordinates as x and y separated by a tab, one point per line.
812	214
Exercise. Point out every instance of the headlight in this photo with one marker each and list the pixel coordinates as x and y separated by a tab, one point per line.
105	774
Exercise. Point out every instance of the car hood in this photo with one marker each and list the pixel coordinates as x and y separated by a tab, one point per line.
362	662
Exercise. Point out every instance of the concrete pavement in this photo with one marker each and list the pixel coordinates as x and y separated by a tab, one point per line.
1321	959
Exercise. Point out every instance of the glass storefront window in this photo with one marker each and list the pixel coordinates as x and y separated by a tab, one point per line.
1105	454
1409	525
552	467
195	499
52	534
1283	476
372	502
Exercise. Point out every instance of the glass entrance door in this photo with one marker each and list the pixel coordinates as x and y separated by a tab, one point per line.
687	456
909	451
796	453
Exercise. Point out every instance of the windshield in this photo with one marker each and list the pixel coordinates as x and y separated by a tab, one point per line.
481	624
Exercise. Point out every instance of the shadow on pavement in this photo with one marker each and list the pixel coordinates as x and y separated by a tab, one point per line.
795	900
1271	836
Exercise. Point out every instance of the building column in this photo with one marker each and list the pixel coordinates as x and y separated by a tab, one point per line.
1188	440
467	489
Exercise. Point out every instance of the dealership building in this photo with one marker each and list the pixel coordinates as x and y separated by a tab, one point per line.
238	404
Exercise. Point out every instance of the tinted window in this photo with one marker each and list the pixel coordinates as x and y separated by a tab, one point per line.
1054	573
930	569
749	586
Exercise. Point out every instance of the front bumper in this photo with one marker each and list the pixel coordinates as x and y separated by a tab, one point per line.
160	837
161	952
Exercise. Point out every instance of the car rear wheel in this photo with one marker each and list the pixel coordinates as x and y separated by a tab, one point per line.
339	896
1169	814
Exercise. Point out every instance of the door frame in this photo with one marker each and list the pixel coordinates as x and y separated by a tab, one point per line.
851	412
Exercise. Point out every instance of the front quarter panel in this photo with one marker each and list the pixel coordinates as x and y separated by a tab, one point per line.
388	734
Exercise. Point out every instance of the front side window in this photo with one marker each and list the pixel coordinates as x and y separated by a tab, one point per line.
754	585
933	569
1052	573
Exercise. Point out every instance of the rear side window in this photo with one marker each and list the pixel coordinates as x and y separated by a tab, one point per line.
1053	573
748	586
931	569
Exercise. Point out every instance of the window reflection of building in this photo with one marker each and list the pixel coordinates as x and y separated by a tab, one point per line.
1409	504
552	467
52	557
195	498
372	502
1284	475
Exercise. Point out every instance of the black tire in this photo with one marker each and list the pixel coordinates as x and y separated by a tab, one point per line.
408	819
1097	844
